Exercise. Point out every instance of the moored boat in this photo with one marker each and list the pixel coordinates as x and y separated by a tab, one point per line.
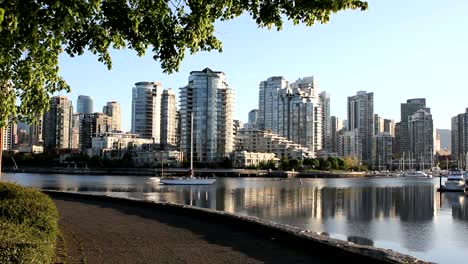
412	173
455	181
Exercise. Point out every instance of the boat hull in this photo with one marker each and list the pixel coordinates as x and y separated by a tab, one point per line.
188	181
454	186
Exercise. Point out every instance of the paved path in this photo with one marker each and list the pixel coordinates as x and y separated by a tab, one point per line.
105	232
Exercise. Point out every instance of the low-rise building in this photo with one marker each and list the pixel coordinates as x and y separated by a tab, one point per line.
263	141
115	145
244	159
35	149
146	156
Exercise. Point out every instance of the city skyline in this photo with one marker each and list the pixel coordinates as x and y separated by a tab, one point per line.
382	54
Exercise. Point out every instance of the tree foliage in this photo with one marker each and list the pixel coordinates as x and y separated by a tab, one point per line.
35	32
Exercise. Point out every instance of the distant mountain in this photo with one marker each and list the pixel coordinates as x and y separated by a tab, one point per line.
445	138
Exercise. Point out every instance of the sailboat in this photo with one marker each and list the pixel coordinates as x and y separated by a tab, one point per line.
190	179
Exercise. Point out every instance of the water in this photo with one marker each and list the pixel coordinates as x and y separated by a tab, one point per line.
406	215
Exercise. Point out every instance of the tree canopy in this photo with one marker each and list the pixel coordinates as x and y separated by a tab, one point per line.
35	32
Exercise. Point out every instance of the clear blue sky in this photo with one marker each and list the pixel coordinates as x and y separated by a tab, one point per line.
398	49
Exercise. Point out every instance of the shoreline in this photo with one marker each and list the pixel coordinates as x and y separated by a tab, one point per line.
155	172
288	236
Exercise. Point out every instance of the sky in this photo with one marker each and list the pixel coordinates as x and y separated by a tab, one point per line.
397	49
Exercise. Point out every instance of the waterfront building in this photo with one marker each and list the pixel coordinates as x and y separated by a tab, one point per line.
169	119
57	124
350	145
296	116
335	126
112	109
114	145
154	113
243	159
211	101
307	89
294	111
325	120
460	137
84	104
268	102
35	149
361	117
408	109
146	110
382	151
253	117
421	132
150	155
263	141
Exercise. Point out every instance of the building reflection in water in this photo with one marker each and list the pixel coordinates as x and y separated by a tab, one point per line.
402	212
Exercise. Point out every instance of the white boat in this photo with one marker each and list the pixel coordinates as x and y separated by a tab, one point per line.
455	181
411	173
189	179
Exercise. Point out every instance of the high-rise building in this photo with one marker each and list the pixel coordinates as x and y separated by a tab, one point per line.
209	98
76	126
361	117
112	109
296	113
326	129
169	121
346	124
146	110
84	104
335	126
35	132
378	124
92	125
396	143
57	124
421	138
437	147
389	126
460	137
268	102
382	151
9	136
350	145
408	109
308	89
253	115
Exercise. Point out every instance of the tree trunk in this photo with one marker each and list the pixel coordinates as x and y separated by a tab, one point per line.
1	151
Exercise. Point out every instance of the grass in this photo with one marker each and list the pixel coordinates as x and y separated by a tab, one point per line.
28	225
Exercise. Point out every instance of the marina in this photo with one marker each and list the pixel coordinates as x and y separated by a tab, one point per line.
404	214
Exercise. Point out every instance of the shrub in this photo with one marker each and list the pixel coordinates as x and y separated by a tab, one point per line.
28	225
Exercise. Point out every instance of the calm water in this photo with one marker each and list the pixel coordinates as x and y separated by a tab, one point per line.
406	215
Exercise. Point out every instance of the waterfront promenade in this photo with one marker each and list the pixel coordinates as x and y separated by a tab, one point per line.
115	231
